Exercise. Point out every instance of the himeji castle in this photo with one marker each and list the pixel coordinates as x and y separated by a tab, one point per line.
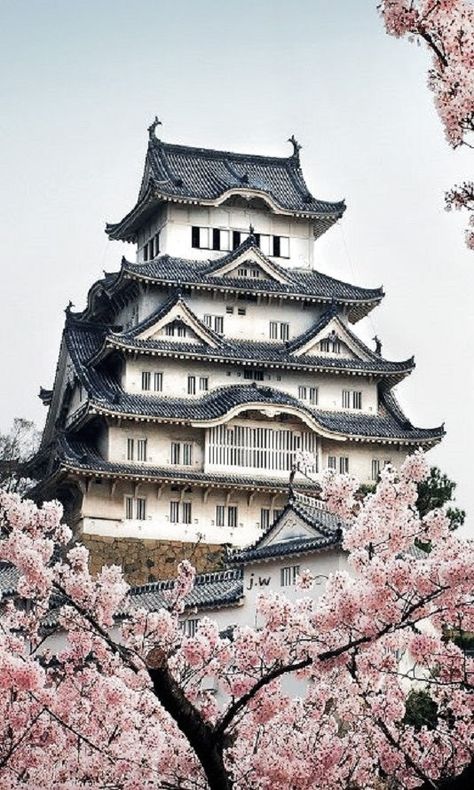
202	373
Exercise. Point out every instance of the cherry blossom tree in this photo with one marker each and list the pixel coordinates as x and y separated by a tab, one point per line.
123	701
446	27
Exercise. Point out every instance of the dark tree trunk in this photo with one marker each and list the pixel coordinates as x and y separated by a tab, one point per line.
207	744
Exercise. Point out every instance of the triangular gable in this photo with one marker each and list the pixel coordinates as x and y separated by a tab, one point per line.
251	257
334	331
179	314
289	526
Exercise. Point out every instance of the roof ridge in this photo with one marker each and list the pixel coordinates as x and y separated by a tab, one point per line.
213	153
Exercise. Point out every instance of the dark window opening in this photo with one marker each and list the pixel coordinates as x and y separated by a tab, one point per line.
195	237
235	239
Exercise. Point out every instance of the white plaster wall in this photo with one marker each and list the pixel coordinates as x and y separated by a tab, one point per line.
104	512
176	223
176	372
361	456
255	324
159	438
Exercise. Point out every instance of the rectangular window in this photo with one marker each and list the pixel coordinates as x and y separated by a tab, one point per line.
220	515
219	324
141	449
191	385
375	469
346	399
130	449
186	512
332	462
229	309
242	272
174	512
273	330
190	626
208	320
232	516
241	311
289	575
195	237
169	330
158	382
175	454
276	247
277	513
225	240
182	330
284	331
146	380
204	383
128	507
216	239
313	396
343	465
356	400
187	453
302	393
235	239
141	508
204	238
253	375
284	247
264	243
265	517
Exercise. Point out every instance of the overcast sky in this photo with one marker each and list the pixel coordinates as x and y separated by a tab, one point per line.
81	81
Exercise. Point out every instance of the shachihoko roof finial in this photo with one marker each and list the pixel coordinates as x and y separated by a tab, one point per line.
152	127
251	230
69	307
378	345
296	146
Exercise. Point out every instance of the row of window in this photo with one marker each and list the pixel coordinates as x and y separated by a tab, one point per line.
181	454
226	240
181	513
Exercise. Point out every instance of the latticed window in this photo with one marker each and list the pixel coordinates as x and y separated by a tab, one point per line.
259	448
191	385
174	512
158	382
190	626
146	380
186	512
141	449
313	396
351	399
203	383
375	469
332	462
130	449
141	508
289	575
344	465
302	393
226	516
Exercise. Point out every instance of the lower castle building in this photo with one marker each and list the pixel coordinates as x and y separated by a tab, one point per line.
200	376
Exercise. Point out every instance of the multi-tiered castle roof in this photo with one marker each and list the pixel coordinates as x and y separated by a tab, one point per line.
198	374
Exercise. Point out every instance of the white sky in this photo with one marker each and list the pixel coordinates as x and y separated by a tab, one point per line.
79	84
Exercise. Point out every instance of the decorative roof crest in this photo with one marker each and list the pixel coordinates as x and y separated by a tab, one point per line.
296	145
152	128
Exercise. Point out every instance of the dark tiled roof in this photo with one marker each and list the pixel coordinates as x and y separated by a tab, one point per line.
79	456
302	282
327	534
259	352
106	395
199	175
221	588
9	576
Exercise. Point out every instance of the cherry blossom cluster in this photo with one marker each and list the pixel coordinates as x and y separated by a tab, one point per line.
446	27
99	693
